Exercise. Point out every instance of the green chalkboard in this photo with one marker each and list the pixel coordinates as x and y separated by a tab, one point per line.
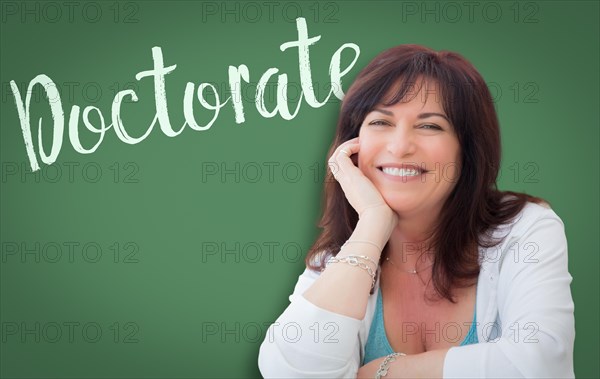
146	251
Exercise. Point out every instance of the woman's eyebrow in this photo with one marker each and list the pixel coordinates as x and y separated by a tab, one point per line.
431	114
383	111
420	116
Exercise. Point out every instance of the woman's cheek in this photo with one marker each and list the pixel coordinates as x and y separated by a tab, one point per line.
358	158
362	163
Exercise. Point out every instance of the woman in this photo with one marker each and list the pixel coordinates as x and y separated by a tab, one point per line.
424	268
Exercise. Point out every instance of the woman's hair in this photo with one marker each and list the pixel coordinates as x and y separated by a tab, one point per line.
475	207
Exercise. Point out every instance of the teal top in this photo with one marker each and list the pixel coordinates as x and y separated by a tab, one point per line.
378	345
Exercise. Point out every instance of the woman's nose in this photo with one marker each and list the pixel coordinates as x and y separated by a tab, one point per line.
401	141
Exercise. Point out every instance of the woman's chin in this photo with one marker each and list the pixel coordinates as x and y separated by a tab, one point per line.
401	206
406	204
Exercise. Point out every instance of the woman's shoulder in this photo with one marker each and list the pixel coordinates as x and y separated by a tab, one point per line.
536	230
532	214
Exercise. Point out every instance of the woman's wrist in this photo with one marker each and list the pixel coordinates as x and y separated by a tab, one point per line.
379	222
380	209
385	365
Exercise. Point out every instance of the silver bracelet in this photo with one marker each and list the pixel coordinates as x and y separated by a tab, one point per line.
364	257
383	368
363	241
354	261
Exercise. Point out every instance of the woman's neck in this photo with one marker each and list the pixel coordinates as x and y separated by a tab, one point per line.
409	245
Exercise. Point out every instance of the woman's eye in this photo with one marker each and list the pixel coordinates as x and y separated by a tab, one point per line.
431	126
379	122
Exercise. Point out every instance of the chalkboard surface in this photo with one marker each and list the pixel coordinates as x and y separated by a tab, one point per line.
136	247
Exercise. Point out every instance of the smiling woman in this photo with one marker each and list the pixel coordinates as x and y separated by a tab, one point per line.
419	269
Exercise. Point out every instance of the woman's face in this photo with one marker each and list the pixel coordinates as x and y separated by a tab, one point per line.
411	153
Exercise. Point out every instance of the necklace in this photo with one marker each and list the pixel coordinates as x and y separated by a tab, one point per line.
413	272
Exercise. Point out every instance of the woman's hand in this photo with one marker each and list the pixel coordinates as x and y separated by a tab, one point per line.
394	368
429	364
370	369
359	190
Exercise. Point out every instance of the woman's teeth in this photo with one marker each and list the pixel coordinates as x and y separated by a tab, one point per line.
401	171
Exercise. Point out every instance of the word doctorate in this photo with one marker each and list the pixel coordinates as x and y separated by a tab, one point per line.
158	73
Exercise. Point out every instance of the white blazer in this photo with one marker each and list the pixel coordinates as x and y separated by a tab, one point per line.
525	315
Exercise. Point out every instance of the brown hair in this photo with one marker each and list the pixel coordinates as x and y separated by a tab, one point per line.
475	206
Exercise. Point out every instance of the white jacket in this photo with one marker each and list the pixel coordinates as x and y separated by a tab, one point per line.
525	315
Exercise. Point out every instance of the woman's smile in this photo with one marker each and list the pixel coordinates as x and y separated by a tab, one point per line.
403	173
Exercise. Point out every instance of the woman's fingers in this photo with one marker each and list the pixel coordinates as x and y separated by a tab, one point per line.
349	147
340	162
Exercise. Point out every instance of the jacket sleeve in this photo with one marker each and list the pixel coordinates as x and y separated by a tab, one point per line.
310	342
535	309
